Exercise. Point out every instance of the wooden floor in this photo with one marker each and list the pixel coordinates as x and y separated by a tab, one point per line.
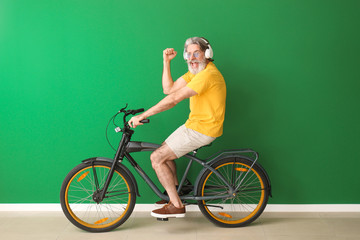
141	226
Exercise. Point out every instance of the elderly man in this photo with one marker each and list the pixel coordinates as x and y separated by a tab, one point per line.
205	86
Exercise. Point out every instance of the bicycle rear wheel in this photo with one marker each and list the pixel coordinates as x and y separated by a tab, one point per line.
249	201
78	192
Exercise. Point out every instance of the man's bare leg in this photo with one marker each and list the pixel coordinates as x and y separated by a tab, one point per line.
159	159
172	166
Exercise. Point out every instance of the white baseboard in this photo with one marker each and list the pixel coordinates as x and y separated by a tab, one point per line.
148	207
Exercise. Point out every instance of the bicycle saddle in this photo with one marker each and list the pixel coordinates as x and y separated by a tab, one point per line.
195	151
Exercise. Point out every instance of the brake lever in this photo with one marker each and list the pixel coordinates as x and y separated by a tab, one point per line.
123	109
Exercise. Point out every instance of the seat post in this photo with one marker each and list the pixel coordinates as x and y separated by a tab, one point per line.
196	150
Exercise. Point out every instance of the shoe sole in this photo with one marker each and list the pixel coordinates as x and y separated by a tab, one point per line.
177	215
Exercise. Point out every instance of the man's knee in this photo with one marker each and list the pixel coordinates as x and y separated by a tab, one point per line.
154	157
160	155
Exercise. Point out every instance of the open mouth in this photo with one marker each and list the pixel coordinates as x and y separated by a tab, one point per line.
194	64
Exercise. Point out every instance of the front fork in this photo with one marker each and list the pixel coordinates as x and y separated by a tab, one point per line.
99	194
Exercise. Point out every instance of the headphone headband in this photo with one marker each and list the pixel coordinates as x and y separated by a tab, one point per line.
205	40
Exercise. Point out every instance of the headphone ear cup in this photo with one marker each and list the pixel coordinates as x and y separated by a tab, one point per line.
209	52
184	55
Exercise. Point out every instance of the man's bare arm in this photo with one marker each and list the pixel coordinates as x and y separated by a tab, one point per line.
166	103
169	86
167	81
178	84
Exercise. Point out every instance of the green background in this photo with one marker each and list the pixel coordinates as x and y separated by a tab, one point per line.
291	69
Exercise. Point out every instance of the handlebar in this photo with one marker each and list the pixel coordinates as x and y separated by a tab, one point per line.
126	127
145	121
131	112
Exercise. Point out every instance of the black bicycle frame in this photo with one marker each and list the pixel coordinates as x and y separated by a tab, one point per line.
123	151
151	184
118	157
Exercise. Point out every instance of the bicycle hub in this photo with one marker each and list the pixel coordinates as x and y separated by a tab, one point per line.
97	197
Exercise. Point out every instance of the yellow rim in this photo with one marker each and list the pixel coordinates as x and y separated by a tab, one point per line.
227	215
95	224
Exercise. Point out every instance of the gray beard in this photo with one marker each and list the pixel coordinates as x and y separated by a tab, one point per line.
202	66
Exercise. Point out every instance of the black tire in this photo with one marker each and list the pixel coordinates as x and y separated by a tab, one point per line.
249	201
78	205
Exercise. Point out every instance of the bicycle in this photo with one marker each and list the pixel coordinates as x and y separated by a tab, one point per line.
98	195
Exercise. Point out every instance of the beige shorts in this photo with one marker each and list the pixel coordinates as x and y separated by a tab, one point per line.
184	140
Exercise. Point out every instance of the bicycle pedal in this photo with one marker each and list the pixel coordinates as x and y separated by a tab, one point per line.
162	219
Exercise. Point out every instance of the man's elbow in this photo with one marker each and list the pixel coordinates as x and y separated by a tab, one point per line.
180	95
167	91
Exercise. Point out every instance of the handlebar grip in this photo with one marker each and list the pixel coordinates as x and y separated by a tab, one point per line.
133	112
145	121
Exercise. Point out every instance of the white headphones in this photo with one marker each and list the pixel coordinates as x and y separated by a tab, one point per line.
208	52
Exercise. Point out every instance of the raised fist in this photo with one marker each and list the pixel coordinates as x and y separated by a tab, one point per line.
169	54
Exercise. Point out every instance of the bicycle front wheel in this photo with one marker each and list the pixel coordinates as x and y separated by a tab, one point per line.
247	203
79	192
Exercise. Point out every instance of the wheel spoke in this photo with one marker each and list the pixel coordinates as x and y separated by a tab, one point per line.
87	214
249	200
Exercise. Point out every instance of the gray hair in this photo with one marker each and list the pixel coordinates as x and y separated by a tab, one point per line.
202	42
198	41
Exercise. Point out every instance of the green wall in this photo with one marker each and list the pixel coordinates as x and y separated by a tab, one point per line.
291	68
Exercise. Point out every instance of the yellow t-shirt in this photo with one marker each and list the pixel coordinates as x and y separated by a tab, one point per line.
207	107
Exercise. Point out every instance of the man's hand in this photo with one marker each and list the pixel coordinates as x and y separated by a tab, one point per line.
135	121
169	54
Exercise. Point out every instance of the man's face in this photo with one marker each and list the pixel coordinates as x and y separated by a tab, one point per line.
196	58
